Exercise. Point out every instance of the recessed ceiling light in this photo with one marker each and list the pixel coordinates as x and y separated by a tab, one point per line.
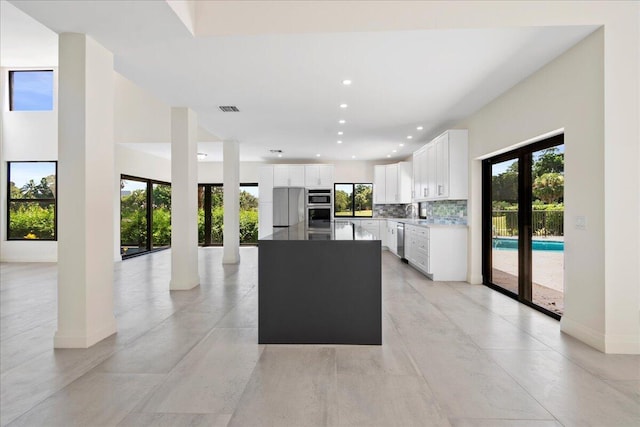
388	155
401	144
343	105
409	137
339	142
353	157
317	155
346	82
340	133
342	121
279	155
394	151
419	128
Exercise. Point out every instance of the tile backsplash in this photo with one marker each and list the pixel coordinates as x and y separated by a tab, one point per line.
390	211
446	211
440	212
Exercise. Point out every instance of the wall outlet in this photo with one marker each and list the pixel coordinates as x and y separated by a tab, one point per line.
581	222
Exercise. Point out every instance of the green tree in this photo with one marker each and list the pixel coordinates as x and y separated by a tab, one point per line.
363	197
342	201
550	161
504	186
549	187
248	201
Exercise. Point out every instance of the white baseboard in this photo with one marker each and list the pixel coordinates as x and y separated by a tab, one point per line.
583	333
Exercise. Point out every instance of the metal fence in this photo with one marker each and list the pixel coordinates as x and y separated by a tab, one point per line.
545	223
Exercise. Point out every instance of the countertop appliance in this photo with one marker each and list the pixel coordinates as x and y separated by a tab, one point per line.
400	241
288	206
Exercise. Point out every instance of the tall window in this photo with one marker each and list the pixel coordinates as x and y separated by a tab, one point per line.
31	90
32	201
351	200
523	230
211	214
145	215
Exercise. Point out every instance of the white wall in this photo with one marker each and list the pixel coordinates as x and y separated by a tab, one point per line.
26	135
566	94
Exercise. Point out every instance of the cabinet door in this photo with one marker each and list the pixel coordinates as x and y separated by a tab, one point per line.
391	179
404	182
325	176
296	175
265	184
431	171
281	176
417	174
312	175
442	166
408	243
392	237
379	184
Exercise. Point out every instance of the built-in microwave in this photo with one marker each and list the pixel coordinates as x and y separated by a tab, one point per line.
318	197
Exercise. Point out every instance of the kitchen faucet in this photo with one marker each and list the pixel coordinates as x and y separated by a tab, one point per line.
410	211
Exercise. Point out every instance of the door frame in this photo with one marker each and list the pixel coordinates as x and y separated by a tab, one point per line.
525	233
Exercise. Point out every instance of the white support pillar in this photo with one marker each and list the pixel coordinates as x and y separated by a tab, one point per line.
231	200
86	173
184	200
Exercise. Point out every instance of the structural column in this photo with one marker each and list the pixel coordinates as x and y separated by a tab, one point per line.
231	200
184	200
86	172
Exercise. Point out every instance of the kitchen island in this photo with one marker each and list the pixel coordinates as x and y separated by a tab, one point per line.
320	286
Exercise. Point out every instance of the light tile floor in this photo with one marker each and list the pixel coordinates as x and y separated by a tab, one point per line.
453	354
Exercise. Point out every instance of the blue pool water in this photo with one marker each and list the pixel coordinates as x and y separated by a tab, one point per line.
506	244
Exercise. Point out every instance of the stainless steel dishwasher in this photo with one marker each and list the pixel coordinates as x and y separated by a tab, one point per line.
400	241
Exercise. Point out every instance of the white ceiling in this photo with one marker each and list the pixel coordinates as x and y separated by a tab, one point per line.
288	87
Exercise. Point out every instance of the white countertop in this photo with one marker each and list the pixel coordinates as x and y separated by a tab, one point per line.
417	222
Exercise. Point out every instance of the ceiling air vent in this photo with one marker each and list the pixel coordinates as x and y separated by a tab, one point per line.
229	108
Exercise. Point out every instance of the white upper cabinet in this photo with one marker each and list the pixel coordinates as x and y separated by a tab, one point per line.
288	176
379	184
392	183
318	176
441	168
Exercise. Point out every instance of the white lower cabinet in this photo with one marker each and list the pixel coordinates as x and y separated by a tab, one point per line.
392	236
439	252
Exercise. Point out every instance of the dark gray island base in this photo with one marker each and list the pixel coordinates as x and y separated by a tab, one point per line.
320	287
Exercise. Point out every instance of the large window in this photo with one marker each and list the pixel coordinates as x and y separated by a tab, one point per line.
351	200
211	214
31	90
145	215
31	201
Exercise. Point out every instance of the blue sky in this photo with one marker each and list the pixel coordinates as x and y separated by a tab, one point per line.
32	91
22	172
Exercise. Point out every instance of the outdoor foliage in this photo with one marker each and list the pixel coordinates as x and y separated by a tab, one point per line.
32	221
548	191
248	217
36	219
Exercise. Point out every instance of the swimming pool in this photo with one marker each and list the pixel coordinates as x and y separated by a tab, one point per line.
510	244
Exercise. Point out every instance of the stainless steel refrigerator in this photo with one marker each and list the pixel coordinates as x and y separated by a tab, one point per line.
288	206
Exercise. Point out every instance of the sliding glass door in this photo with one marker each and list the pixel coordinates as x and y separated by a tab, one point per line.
523	217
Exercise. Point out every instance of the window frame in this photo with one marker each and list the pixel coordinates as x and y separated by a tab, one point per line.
54	201
149	202
353	200
11	83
